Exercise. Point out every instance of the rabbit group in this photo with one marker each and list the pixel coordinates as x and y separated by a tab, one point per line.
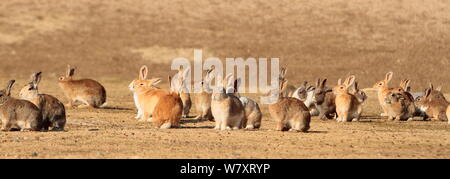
35	111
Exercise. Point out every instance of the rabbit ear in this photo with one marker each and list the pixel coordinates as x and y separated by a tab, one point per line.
143	72
339	81
283	72
427	92
439	88
431	86
318	83
229	80
324	82
35	79
283	84
9	87
237	83
155	81
186	73
305	84
349	81
170	81
388	76
70	71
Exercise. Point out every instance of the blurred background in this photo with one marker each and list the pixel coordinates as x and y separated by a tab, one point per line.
110	40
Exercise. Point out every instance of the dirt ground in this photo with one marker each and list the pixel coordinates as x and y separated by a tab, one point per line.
110	40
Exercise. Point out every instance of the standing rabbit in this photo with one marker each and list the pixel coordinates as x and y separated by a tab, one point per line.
289	113
227	109
18	114
252	111
348	107
203	99
324	100
87	91
146	94
52	110
383	89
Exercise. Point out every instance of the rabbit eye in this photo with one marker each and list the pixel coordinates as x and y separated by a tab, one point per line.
29	89
141	84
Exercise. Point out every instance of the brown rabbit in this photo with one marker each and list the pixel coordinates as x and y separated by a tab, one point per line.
348	107
383	89
18	114
169	109
324	99
289	113
146	94
87	91
399	106
433	105
203	99
52	110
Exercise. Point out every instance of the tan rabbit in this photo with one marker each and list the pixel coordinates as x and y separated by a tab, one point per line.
203	99
226	109
289	113
18	114
348	107
433	105
399	106
383	89
52	110
147	94
184	91
289	90
253	113
87	91
168	111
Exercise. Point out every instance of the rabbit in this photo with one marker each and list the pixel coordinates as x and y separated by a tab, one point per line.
290	113
252	110
18	114
348	107
90	92
169	109
432	105
383	89
146	94
203	99
227	109
52	110
305	94
399	106
184	93
289	90
324	100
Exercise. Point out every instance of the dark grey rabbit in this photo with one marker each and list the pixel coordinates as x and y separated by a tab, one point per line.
17	114
324	98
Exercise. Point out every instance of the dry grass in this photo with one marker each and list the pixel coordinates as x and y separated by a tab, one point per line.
109	40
